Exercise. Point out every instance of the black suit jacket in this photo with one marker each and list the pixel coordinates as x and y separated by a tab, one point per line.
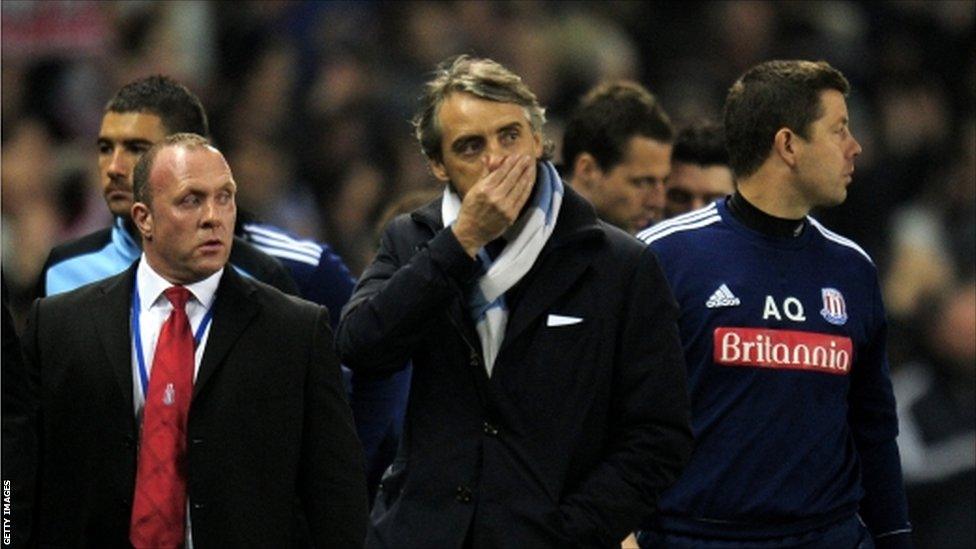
272	459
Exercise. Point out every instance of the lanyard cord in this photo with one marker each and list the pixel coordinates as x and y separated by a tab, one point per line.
137	336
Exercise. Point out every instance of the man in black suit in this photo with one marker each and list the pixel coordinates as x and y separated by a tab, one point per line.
548	405
263	453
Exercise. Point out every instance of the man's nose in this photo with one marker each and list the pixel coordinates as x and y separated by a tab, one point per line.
119	165
210	217
494	156
654	195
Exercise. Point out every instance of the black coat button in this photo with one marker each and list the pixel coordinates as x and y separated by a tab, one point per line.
490	429
463	494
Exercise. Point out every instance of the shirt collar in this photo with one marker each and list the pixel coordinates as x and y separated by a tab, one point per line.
124	242
152	285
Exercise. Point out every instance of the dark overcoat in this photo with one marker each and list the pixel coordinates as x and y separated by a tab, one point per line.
584	419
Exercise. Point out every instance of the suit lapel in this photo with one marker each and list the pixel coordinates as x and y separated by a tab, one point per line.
111	317
561	263
233	311
556	274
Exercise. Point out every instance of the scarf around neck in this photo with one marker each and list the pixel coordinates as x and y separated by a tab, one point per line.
524	241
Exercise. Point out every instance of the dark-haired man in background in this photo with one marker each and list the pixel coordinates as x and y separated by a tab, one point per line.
700	172
784	337
617	154
140	114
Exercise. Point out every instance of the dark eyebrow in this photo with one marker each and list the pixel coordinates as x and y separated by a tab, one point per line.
512	126
460	142
127	142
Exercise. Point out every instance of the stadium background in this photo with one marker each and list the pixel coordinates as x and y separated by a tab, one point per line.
310	101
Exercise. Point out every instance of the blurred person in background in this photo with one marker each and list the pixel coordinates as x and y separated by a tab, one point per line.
784	333
700	172
617	154
937	420
545	409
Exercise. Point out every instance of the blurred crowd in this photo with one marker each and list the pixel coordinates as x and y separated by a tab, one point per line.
311	101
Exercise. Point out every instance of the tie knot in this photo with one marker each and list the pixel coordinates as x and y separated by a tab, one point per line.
178	296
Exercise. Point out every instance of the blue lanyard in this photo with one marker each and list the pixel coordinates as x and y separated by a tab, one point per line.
137	336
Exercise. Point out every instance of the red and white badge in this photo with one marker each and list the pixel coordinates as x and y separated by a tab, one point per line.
834	309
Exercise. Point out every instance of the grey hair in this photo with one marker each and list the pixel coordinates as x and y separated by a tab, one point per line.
482	78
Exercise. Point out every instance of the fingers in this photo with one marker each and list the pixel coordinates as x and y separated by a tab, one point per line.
521	187
494	203
497	178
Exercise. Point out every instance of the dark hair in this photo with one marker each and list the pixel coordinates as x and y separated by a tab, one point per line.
177	107
701	143
771	96
141	189
482	78
607	117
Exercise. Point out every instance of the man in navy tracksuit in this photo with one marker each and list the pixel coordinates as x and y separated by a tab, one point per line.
784	337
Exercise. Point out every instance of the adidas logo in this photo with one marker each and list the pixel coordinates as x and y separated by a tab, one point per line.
723	297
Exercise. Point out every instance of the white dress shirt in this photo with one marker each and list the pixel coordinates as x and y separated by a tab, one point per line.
154	309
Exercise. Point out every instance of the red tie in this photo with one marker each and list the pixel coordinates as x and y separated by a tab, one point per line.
159	505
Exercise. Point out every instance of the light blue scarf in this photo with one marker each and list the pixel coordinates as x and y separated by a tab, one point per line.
525	240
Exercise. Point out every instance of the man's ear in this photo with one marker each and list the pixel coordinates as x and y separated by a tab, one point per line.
785	144
142	219
586	170
437	168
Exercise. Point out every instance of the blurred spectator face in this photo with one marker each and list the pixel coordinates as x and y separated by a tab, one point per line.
825	162
691	187
954	334
122	139
477	135
631	194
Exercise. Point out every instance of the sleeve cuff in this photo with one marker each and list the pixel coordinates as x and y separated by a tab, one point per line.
899	539
448	254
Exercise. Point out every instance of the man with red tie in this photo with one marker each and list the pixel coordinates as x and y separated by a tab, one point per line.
180	404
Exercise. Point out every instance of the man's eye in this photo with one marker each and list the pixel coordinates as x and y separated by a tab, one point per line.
190	200
469	148
104	148
510	137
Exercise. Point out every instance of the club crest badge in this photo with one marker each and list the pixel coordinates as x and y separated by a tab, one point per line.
834	309
169	395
